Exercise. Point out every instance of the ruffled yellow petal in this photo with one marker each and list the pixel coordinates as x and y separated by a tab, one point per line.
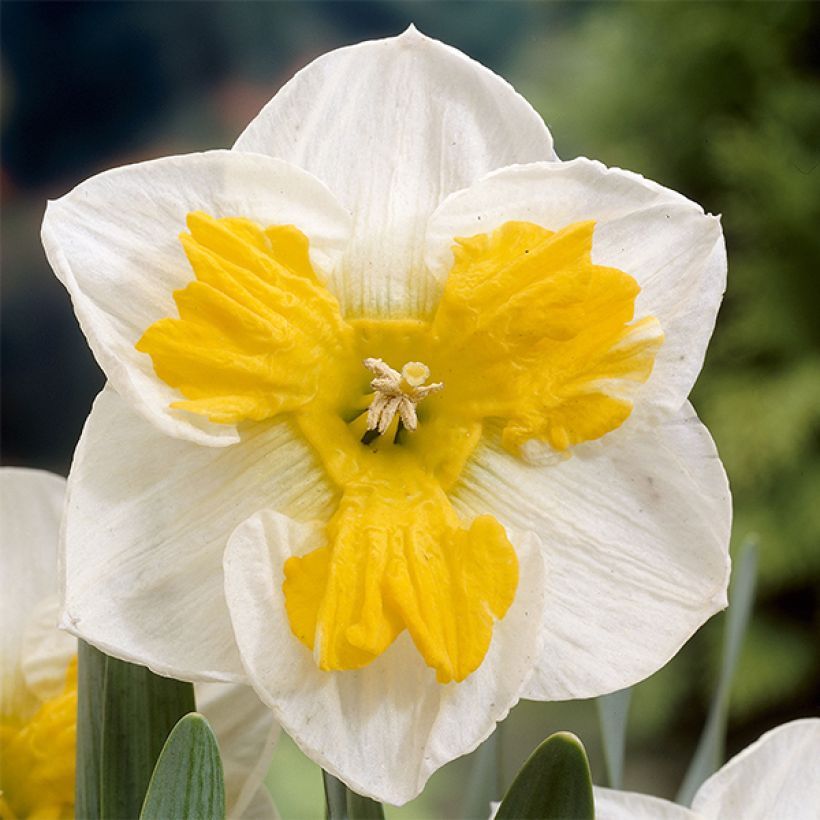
526	312
257	332
37	759
399	557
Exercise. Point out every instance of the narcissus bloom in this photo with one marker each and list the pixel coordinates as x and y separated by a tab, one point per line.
775	777
38	679
396	426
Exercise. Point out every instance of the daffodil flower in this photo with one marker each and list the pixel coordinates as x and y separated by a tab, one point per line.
38	682
396	426
773	779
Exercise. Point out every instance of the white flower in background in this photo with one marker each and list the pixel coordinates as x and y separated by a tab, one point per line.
776	778
38	681
248	502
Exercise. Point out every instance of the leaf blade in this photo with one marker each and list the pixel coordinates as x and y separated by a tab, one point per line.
363	808
188	780
335	797
554	783
613	714
710	750
485	783
342	803
91	664
139	711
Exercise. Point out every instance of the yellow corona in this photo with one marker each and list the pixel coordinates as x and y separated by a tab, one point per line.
37	759
530	338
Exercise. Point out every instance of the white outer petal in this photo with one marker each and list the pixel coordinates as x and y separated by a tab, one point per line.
247	734
392	127
47	650
776	777
611	804
114	243
666	242
386	728
31	504
147	521
635	535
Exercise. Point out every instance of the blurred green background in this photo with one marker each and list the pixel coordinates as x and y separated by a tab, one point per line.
718	100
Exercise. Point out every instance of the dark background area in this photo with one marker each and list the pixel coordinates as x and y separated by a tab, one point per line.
718	100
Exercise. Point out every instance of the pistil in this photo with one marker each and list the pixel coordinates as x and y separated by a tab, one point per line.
397	393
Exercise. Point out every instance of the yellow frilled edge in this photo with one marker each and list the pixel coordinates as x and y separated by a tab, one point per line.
529	333
37	758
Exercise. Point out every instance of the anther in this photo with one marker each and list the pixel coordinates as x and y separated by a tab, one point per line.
396	394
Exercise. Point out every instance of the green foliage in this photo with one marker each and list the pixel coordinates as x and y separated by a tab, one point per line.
711	750
335	797
613	715
140	709
342	803
722	101
554	784
90	691
188	780
363	808
125	713
484	784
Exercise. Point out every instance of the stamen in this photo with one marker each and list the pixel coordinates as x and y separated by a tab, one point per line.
396	394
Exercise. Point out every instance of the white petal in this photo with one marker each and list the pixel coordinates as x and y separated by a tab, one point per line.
393	126
247	734
113	242
385	728
147	520
611	804
635	535
777	776
31	504
674	251
47	650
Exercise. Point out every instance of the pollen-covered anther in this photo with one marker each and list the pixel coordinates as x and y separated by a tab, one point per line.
397	393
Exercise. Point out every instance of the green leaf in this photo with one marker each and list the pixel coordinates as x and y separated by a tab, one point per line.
363	808
613	711
90	683
554	784
188	781
710	752
342	803
335	797
485	783
139	711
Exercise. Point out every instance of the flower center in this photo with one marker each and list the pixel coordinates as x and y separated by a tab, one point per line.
37	758
539	347
397	394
